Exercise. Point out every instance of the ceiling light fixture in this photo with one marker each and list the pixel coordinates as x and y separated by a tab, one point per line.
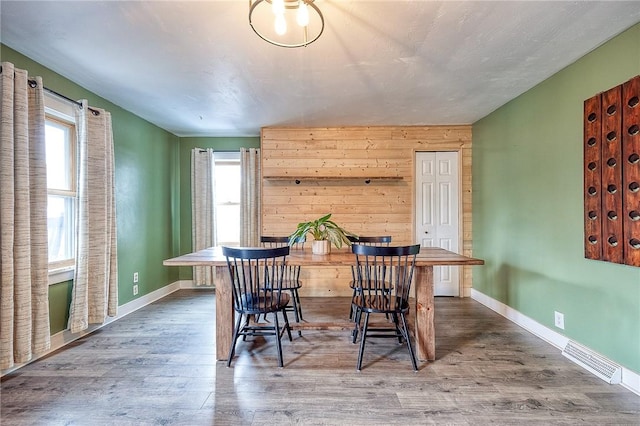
287	23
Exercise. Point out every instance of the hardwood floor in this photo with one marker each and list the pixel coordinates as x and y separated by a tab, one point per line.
156	367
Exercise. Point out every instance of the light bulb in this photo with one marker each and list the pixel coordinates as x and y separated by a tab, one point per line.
277	6
281	25
303	14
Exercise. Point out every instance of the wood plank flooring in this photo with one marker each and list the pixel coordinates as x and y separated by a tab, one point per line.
156	367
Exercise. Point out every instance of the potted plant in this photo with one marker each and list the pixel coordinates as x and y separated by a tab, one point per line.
324	231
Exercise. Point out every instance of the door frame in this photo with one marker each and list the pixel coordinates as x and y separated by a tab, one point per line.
465	273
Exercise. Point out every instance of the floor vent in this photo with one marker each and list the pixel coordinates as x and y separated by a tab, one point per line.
593	362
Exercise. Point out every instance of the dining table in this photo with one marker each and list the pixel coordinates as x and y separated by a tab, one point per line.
425	342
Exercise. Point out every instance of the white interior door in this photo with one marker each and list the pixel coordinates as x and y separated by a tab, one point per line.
437	214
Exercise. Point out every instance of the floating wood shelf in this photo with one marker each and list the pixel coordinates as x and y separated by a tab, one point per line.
366	180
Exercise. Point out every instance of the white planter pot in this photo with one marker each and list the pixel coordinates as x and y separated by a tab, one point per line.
321	247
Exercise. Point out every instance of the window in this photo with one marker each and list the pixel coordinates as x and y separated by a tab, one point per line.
227	197
60	139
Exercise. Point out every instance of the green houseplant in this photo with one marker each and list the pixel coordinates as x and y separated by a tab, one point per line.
324	231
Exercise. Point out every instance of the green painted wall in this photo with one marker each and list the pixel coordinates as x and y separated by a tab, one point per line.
147	194
186	145
59	304
528	209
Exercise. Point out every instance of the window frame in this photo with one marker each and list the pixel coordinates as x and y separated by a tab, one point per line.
61	113
227	158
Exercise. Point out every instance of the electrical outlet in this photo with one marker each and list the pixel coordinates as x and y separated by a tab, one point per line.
559	320
135	290
135	277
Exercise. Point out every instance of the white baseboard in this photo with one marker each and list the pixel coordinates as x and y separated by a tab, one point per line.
630	379
188	284
65	337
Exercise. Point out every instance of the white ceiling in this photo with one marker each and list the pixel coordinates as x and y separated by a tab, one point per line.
195	68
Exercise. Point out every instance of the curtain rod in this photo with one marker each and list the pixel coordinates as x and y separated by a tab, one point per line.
33	83
66	98
60	95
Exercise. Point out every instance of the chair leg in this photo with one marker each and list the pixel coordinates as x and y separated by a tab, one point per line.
296	307
357	316
236	330
295	304
297	299
397	325
286	324
362	341
408	339
246	324
352	311
279	344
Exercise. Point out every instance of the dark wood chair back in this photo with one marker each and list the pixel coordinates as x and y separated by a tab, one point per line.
383	280
257	276
291	279
382	240
385	270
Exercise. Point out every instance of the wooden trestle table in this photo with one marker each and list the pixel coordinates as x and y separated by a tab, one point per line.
428	257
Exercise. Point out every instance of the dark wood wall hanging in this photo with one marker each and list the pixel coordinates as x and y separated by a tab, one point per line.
612	174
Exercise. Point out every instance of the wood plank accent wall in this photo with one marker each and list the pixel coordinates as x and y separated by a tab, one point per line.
331	166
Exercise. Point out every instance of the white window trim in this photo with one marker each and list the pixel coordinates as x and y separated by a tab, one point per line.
226	156
63	110
61	275
232	157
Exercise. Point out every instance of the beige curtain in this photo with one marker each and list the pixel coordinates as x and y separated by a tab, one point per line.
24	289
95	286
203	229
250	187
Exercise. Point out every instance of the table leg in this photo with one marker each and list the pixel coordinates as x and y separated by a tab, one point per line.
425	329
224	312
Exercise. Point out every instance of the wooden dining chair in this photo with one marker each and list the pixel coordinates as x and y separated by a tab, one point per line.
379	241
257	278
384	276
291	281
